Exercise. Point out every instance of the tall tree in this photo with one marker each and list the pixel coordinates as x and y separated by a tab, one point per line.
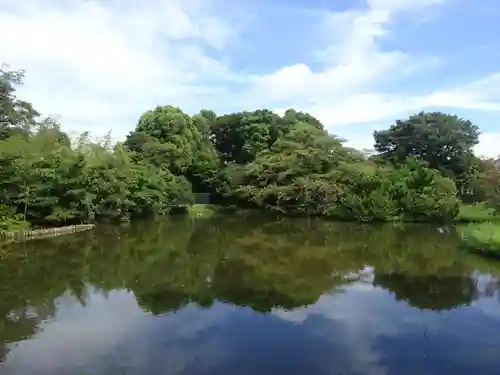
205	121
16	116
169	138
240	137
291	116
444	141
167	135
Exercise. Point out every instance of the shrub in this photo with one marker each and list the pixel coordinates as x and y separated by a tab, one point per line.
10	221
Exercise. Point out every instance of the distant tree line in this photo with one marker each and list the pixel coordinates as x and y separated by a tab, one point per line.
290	164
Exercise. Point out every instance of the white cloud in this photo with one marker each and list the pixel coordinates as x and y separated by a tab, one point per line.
89	338
82	334
354	65
360	318
350	86
489	145
100	64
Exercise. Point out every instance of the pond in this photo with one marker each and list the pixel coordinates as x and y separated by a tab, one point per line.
249	295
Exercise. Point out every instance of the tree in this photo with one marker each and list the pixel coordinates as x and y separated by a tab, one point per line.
240	137
482	182
430	292
291	116
167	136
444	141
173	141
288	164
308	171
421	193
10	221
289	177
16	116
205	121
47	181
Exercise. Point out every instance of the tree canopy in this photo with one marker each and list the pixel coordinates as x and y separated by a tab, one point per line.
442	140
46	179
289	164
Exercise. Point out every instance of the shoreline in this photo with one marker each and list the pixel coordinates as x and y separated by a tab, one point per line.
26	235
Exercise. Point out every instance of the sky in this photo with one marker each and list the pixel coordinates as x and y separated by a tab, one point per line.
357	65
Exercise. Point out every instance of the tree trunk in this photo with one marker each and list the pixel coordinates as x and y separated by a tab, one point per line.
26	196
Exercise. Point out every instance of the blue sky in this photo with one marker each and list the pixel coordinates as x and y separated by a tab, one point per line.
357	65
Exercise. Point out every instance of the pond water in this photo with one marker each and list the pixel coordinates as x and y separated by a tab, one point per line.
249	295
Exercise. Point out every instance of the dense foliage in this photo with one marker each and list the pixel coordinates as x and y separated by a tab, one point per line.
47	179
289	164
446	143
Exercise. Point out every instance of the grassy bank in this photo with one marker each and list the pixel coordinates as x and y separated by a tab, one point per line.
202	210
483	238
477	213
209	210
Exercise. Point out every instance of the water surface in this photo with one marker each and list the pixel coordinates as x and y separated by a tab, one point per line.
249	296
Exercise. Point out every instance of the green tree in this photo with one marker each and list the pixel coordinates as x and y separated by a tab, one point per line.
167	136
291	116
309	172
240	137
172	140
291	176
16	116
442	140
422	193
11	221
430	292
484	182
205	121
289	164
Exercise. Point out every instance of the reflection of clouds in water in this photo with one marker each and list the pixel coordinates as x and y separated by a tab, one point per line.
361	329
108	333
377	330
488	285
358	316
488	306
174	342
78	335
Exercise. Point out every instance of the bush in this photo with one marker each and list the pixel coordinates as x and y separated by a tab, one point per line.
10	221
353	191
422	193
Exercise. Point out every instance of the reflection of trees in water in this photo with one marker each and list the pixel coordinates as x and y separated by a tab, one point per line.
160	302
33	275
249	261
437	292
229	263
15	326
432	292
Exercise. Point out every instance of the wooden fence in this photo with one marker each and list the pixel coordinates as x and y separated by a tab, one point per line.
42	233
